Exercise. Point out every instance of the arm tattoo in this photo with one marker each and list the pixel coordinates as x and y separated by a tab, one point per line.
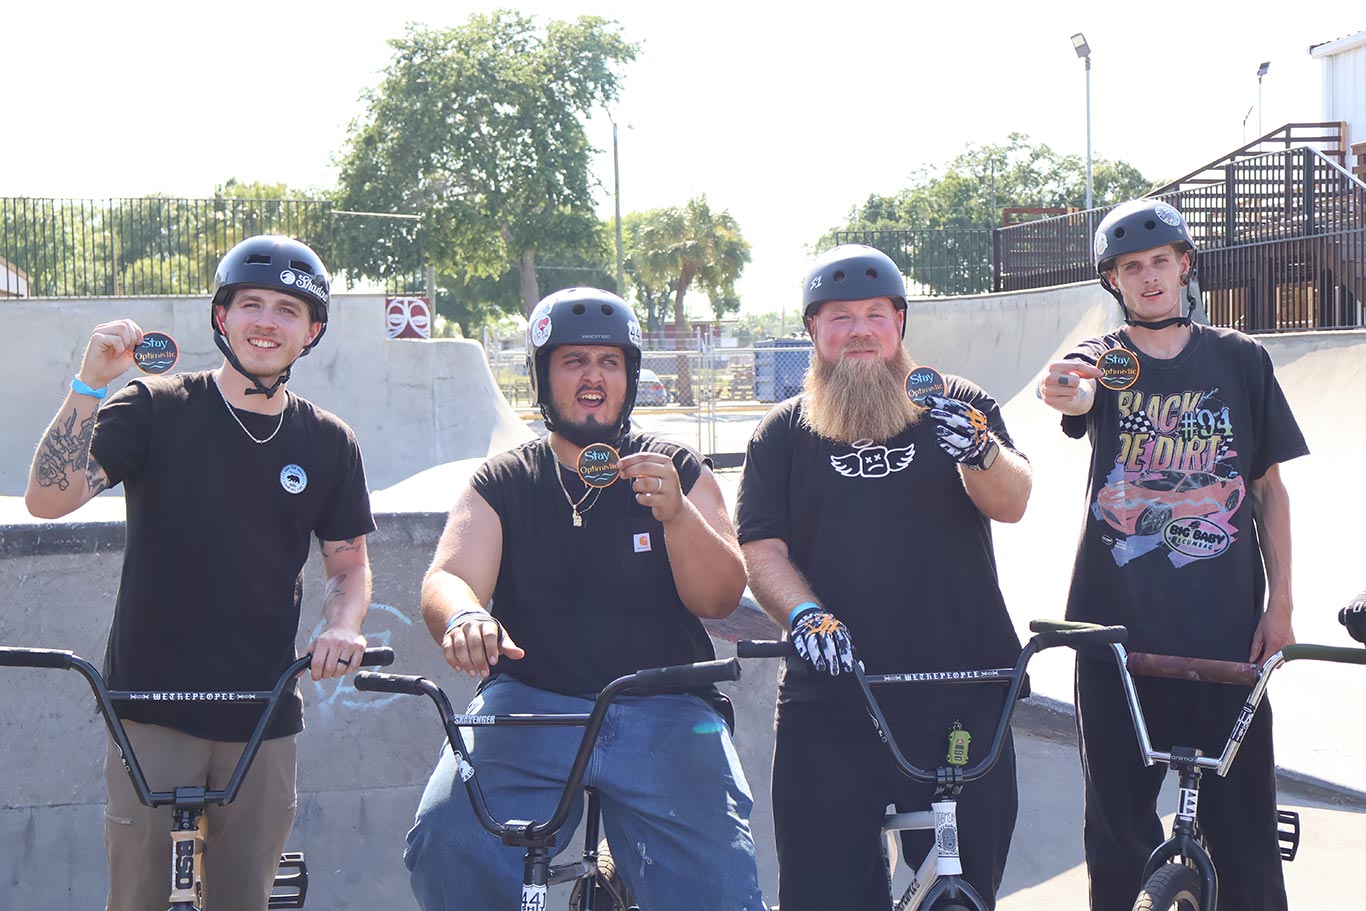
64	448
334	591
342	547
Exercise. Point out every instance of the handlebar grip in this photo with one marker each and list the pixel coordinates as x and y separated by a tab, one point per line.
1325	653
370	682
35	657
382	656
1049	626
1203	670
1080	636
764	648
689	674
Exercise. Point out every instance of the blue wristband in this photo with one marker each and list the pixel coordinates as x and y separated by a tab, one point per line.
804	606
82	389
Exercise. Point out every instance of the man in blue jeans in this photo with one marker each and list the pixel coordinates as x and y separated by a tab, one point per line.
549	589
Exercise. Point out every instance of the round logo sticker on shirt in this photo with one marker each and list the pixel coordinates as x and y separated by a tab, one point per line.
1119	369
598	465
923	381
293	478
156	354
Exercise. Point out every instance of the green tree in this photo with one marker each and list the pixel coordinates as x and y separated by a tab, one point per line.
689	246
947	212
478	129
682	246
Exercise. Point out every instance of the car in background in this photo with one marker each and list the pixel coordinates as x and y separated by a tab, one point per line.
651	389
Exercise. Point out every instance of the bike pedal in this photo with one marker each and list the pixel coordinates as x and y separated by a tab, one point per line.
1288	833
291	882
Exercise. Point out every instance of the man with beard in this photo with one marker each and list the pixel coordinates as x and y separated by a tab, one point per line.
587	584
865	524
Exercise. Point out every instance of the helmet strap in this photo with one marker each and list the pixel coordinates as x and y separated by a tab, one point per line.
258	388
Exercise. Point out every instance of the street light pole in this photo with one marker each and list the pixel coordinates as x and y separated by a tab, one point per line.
616	196
1261	71
1084	51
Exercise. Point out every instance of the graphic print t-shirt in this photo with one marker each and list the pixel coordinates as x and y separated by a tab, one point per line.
891	544
1168	547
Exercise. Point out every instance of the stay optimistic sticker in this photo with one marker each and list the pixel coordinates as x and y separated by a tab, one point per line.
157	353
598	465
1119	369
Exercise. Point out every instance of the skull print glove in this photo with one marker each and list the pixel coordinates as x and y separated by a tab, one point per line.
822	640
963	431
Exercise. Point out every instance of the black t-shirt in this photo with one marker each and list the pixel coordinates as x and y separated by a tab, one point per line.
592	603
217	535
891	544
1169	548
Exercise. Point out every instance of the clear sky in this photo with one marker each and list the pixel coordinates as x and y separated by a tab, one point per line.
785	114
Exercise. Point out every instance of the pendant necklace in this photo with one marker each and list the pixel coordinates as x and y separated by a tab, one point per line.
278	425
574	507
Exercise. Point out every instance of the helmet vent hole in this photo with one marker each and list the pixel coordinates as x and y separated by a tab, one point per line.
871	273
1150	224
578	309
839	275
297	266
606	309
258	259
1119	232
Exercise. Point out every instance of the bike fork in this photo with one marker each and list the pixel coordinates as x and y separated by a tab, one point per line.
187	854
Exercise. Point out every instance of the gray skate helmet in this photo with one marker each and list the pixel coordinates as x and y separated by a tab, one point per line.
280	264
581	316
852	272
1142	224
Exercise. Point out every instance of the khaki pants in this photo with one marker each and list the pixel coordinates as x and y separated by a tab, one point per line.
243	840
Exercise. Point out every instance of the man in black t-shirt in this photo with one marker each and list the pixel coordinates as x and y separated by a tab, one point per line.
1186	505
225	482
865	521
548	589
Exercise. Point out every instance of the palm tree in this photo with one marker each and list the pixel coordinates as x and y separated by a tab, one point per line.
682	245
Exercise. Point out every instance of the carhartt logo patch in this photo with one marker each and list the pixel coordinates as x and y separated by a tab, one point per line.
642	542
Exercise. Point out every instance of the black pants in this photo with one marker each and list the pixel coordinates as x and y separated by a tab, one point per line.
1237	814
829	798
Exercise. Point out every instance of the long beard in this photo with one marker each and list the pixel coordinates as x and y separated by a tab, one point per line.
857	399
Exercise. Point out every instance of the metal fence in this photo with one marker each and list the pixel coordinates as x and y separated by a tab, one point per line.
159	245
1282	242
936	262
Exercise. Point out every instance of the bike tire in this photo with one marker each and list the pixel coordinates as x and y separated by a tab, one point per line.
612	891
1172	887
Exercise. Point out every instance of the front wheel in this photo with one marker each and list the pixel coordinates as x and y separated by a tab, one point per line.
1173	887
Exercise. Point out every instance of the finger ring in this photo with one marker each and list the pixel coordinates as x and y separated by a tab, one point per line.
344	661
1062	381
660	482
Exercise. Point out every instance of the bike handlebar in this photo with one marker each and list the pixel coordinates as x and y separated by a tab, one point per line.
106	698
529	833
35	657
1201	670
1048	635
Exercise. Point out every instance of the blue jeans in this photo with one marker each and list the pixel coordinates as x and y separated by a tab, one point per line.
675	804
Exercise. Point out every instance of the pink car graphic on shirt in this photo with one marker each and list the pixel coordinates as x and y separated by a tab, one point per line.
1145	505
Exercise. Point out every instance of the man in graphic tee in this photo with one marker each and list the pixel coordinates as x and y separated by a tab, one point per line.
1186	509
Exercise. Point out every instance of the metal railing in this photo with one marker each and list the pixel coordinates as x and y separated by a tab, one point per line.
165	246
1282	241
935	261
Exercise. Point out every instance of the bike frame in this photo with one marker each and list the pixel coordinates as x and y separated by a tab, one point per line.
940	873
188	804
1186	844
538	837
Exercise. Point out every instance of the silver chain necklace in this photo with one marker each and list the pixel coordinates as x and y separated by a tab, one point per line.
574	507
278	425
